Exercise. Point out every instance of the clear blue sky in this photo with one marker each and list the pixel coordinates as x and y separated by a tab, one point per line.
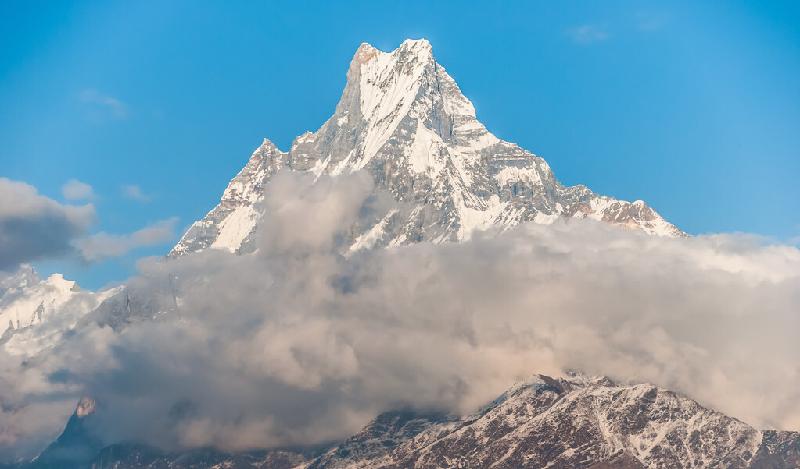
691	106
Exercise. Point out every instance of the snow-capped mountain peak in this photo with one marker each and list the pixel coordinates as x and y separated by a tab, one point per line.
403	119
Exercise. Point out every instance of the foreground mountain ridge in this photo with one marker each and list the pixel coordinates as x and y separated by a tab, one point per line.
403	119
569	422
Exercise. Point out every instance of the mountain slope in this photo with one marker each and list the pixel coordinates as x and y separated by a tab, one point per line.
579	422
571	422
403	119
35	312
25	300
77	446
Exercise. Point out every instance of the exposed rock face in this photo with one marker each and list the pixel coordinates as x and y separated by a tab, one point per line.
403	119
78	444
384	434
571	422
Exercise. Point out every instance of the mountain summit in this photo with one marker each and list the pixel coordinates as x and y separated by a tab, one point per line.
403	119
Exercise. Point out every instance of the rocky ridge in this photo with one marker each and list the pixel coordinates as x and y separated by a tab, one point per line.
543	422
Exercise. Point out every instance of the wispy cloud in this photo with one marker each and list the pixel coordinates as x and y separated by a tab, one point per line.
134	192
103	245
115	107
651	21
77	190
587	34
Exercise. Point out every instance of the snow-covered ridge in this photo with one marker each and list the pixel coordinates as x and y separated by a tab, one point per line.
542	422
31	300
35	312
403	119
574	421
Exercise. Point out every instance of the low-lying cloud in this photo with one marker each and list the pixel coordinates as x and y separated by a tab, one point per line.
299	344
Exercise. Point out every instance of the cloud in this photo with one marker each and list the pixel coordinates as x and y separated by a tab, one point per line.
587	34
77	190
109	104
34	227
134	192
102	245
651	21
299	344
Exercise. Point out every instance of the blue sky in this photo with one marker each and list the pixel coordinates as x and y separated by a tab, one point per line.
691	106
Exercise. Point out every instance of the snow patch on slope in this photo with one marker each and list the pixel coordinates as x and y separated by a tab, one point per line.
236	227
423	155
477	219
373	235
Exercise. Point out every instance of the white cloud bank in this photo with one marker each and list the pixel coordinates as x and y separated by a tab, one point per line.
298	344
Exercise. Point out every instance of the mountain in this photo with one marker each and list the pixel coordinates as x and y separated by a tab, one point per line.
404	120
25	299
77	445
35	312
576	422
570	422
